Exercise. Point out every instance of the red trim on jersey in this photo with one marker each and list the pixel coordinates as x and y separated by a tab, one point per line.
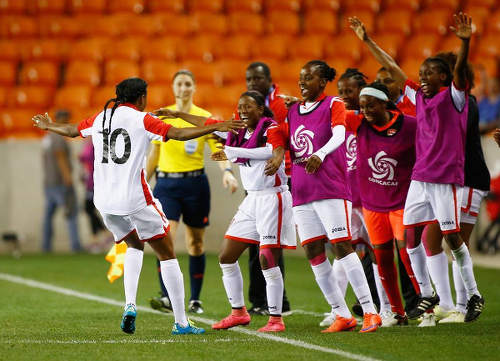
277	135
419	224
389	124
469	201
277	180
156	126
277	246
456	230
473	214
87	123
347	220
342	239
353	120
457	207
411	84
161	213
280	216
338	113
239	239
310	240
145	189
318	99
161	235
211	121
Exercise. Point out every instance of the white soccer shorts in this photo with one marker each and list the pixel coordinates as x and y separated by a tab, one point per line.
325	218
358	226
150	223
471	204
430	202
265	218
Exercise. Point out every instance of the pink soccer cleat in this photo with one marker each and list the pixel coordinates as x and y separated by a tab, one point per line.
238	317
275	324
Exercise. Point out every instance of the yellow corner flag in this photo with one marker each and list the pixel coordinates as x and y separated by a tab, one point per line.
116	256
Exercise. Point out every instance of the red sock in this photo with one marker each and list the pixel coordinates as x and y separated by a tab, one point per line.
389	277
406	261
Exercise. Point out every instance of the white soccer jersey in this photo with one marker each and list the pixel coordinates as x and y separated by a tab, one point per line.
120	186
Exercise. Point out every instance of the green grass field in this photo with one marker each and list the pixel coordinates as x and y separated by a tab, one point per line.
57	324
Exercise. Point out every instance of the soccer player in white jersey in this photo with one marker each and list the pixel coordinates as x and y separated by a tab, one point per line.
264	217
121	137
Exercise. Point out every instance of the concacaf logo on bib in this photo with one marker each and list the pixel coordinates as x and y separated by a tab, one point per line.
351	154
302	143
383	169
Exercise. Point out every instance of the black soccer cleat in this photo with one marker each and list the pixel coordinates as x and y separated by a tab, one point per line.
424	304
475	306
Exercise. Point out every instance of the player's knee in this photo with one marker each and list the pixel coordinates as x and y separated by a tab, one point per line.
314	249
267	258
195	248
342	249
453	240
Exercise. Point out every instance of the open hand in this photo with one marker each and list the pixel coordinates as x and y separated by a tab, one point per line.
463	26
313	164
272	165
232	125
167	113
358	27
289	100
218	156
229	181
41	121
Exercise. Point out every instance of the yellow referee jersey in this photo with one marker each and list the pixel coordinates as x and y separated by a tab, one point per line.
179	156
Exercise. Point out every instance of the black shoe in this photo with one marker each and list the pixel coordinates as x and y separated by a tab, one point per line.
474	308
161	304
259	311
195	306
286	307
402	320
424	304
357	309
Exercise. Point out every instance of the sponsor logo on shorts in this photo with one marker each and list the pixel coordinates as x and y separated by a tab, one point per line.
448	223
383	168
338	229
351	145
302	142
268	237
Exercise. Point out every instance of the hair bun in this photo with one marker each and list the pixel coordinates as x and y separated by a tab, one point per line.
330	74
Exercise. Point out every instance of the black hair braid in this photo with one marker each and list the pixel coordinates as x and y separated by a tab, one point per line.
326	72
355	74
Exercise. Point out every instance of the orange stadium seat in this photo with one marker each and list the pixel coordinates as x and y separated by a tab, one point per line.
491	65
159	96
448	5
206	23
222	112
291	87
272	47
170	6
290	71
236	47
485	3
82	73
346	46
488	47
17	122
408	5
8	73
230	72
369	66
9	50
479	15
88	49
3	96
367	17
211	6
123	49
372	6
283	22
60	27
21	27
48	49
307	47
282	5
126	6
73	97
394	21
390	42
452	43
245	6
493	22
101	95
103	26
144	26
411	67
420	46
88	6
53	7
40	73
13	7
324	5
158	71
340	65
432	21
117	70
321	22
31	96
203	94
246	24
176	24
204	73
161	49
226	96
201	48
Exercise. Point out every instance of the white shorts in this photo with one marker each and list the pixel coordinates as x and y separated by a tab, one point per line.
150	223
471	203
433	202
358	226
326	218
265	218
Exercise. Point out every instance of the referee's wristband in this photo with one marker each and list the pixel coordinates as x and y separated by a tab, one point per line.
230	170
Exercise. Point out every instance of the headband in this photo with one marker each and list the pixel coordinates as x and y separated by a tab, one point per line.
379	94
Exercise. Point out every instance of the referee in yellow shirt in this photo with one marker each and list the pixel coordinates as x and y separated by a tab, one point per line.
182	187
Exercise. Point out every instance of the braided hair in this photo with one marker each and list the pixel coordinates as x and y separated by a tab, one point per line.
127	91
443	66
325	71
354	73
261	102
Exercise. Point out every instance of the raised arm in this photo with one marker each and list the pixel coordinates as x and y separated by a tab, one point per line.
196	120
380	55
463	30
44	122
190	133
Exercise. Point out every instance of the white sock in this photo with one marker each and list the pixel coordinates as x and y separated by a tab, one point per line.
464	263
326	282
385	305
174	282
460	289
131	272
419	266
357	278
274	290
438	270
340	277
233	283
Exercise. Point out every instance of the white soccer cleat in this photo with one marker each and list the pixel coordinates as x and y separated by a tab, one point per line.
328	320
390	319
428	320
454	317
441	312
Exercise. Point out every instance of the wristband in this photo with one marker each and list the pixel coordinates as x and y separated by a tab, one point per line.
230	170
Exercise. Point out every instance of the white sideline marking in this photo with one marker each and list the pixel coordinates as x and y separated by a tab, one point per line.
127	341
109	301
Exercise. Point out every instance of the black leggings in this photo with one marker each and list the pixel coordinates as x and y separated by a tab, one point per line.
95	221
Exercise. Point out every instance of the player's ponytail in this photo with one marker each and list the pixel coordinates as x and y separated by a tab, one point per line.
325	71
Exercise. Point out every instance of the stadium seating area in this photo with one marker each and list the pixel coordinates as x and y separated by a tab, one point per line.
71	53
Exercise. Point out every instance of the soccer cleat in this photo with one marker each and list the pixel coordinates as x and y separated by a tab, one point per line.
195	306
371	321
475	306
441	312
128	319
328	320
275	324
454	317
190	329
241	318
341	324
390	319
424	304
428	320
161	304
259	311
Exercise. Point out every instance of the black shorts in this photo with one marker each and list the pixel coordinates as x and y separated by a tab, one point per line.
189	197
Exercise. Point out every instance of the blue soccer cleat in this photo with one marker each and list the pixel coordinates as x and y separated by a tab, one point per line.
190	329
128	320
